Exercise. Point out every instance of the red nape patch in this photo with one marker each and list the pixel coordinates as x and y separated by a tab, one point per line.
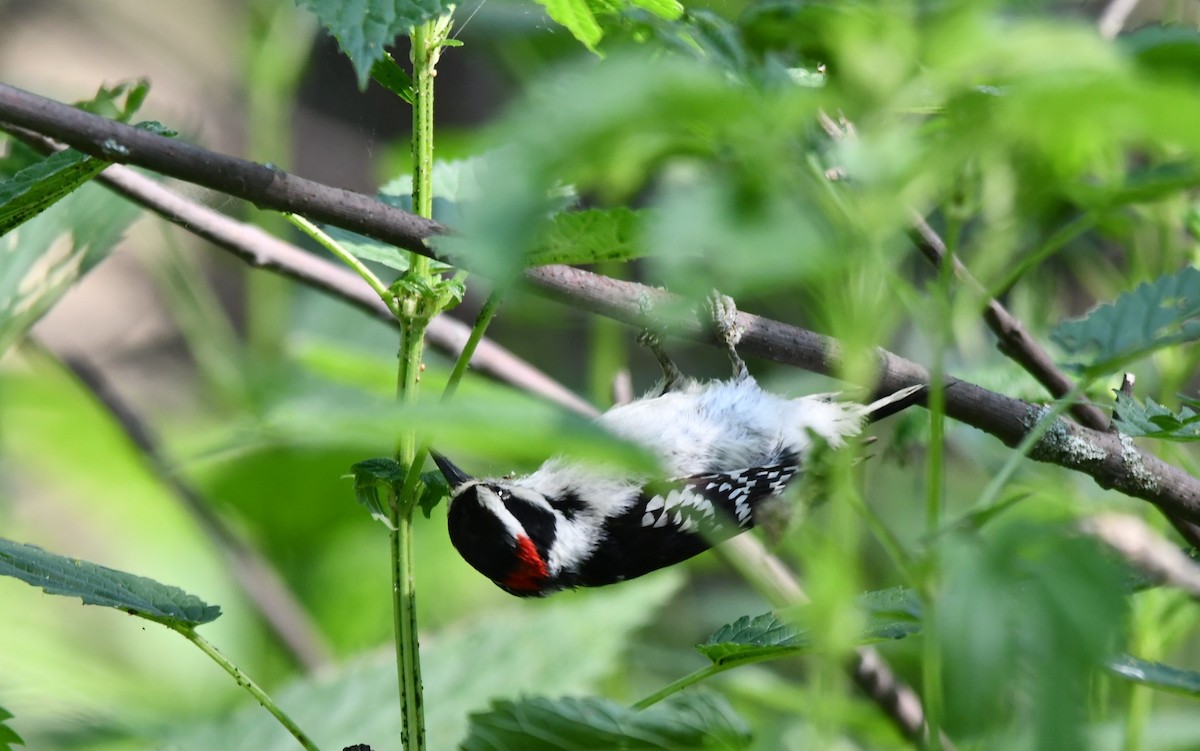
531	569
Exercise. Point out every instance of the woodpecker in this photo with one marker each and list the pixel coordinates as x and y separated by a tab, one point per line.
724	447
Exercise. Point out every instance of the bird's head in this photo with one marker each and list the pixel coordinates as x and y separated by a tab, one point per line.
502	530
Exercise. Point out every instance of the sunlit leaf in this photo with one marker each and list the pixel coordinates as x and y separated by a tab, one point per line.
53	227
576	17
681	722
1157	314
45	256
590	236
99	585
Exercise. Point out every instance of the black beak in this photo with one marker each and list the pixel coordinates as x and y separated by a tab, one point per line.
453	474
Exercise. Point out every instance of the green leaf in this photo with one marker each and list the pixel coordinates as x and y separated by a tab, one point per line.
1155	315
1156	675
53	227
38	187
372	474
388	74
1169	50
455	185
1152	420
434	489
1027	594
45	256
365	27
589	236
500	653
369	475
891	614
577	17
665	9
99	585
8	736
682	722
108	101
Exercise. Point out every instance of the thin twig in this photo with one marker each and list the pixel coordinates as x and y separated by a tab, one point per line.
1014	340
1146	550
258	579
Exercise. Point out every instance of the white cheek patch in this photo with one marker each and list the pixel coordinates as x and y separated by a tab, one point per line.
490	501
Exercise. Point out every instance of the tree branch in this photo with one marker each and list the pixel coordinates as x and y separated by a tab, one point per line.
266	187
1012	338
1111	459
265	251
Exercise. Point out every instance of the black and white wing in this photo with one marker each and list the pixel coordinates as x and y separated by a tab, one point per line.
674	520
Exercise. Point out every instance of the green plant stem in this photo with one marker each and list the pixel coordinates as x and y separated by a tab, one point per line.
931	663
408	656
482	321
415	311
702	674
676	686
404	595
1056	242
345	257
244	681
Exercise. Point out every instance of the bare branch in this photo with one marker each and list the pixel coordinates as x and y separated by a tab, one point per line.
1114	17
1146	550
1014	340
1111	459
264	186
265	251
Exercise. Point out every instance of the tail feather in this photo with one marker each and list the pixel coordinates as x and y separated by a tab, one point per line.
893	403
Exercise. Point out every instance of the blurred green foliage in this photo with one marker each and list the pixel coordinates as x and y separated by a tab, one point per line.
1059	166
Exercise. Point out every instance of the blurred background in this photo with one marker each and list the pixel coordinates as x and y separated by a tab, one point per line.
200	346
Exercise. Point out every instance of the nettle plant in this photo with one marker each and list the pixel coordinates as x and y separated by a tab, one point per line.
802	157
